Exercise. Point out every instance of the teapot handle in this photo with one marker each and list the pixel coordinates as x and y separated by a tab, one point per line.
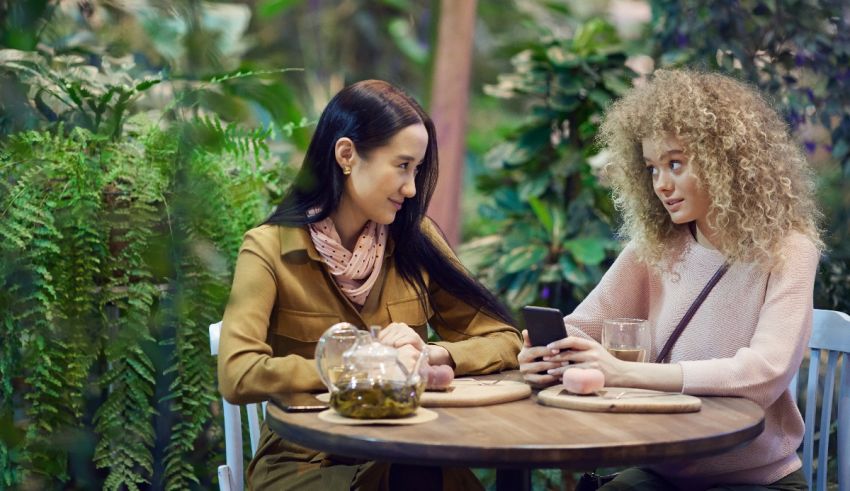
417	366
330	348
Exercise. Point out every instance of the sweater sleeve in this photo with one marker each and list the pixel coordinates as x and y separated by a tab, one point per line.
623	291
477	342
247	371
762	371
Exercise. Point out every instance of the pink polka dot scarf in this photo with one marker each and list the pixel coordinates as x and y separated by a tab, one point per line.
354	271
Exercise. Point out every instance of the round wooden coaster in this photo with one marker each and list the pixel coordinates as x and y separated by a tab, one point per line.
621	400
421	415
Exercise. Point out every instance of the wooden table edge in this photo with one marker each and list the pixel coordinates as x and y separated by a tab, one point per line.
537	456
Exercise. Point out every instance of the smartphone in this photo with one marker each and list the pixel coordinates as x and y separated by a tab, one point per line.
544	324
298	402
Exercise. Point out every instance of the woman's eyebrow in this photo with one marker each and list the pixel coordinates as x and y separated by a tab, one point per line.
665	154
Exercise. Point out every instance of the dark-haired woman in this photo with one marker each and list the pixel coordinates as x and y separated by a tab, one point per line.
350	242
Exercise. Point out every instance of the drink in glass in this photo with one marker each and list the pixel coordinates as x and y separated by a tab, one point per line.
626	339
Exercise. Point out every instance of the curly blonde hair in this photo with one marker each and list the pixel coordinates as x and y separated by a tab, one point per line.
759	182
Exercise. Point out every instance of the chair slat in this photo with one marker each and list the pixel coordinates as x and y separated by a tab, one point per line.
793	387
253	427
811	398
843	418
233	444
224	478
825	418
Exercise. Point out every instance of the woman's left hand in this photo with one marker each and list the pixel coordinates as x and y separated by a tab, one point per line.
578	352
398	334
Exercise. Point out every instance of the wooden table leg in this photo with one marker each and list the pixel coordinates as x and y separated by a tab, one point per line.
513	479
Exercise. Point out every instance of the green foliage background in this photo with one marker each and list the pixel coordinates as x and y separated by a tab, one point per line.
552	220
120	218
116	254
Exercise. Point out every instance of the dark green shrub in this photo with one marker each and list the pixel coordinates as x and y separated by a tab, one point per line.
554	219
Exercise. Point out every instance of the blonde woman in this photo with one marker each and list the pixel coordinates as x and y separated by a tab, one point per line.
705	174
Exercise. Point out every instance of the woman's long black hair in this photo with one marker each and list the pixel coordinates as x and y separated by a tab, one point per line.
370	113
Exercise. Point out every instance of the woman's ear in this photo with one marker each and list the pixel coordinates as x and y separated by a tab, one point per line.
345	154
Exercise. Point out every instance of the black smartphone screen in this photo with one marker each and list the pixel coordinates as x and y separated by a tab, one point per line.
298	402
544	324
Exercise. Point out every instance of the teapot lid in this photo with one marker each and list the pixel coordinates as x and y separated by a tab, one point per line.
371	352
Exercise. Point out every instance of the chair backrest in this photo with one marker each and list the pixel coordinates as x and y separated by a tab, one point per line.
830	336
231	476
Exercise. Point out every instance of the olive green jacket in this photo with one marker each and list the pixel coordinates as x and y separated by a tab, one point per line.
283	298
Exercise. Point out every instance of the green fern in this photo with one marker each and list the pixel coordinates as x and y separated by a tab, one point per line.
123	422
84	222
46	306
234	139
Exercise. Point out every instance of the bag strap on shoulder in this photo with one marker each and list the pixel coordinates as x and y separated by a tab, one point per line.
662	355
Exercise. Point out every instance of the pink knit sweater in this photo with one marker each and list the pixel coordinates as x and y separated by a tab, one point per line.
746	340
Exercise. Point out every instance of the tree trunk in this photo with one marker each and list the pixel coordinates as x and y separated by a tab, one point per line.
449	108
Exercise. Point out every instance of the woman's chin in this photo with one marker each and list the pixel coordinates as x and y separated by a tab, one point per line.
386	219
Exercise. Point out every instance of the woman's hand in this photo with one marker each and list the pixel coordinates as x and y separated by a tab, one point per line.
533	370
579	353
398	334
436	376
576	352
407	356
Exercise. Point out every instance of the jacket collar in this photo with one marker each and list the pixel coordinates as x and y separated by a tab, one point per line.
298	239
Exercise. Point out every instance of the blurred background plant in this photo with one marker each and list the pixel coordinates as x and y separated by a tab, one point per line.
135	151
551	220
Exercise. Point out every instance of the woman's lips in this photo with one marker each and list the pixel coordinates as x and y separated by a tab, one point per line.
395	203
673	204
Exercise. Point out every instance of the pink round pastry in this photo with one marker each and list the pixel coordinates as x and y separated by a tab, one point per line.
583	380
440	376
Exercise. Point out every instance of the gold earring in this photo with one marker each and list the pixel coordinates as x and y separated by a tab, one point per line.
346	170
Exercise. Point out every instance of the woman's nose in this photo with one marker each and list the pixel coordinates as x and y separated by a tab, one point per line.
663	182
408	189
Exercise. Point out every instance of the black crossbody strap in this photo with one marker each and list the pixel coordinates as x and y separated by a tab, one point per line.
662	355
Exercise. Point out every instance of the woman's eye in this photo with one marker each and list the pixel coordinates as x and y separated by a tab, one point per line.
675	165
404	165
651	170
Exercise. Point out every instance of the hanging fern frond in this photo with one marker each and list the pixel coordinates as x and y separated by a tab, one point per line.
124	421
110	251
233	138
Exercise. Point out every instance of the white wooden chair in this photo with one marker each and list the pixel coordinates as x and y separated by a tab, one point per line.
830	335
231	476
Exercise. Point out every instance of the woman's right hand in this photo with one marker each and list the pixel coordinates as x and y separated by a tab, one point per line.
533	368
437	377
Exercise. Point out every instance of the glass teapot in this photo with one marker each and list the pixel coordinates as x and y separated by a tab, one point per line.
366	379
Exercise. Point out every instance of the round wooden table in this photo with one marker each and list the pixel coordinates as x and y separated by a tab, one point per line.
525	435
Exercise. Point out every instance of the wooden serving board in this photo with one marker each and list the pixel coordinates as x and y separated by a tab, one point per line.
621	400
469	392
